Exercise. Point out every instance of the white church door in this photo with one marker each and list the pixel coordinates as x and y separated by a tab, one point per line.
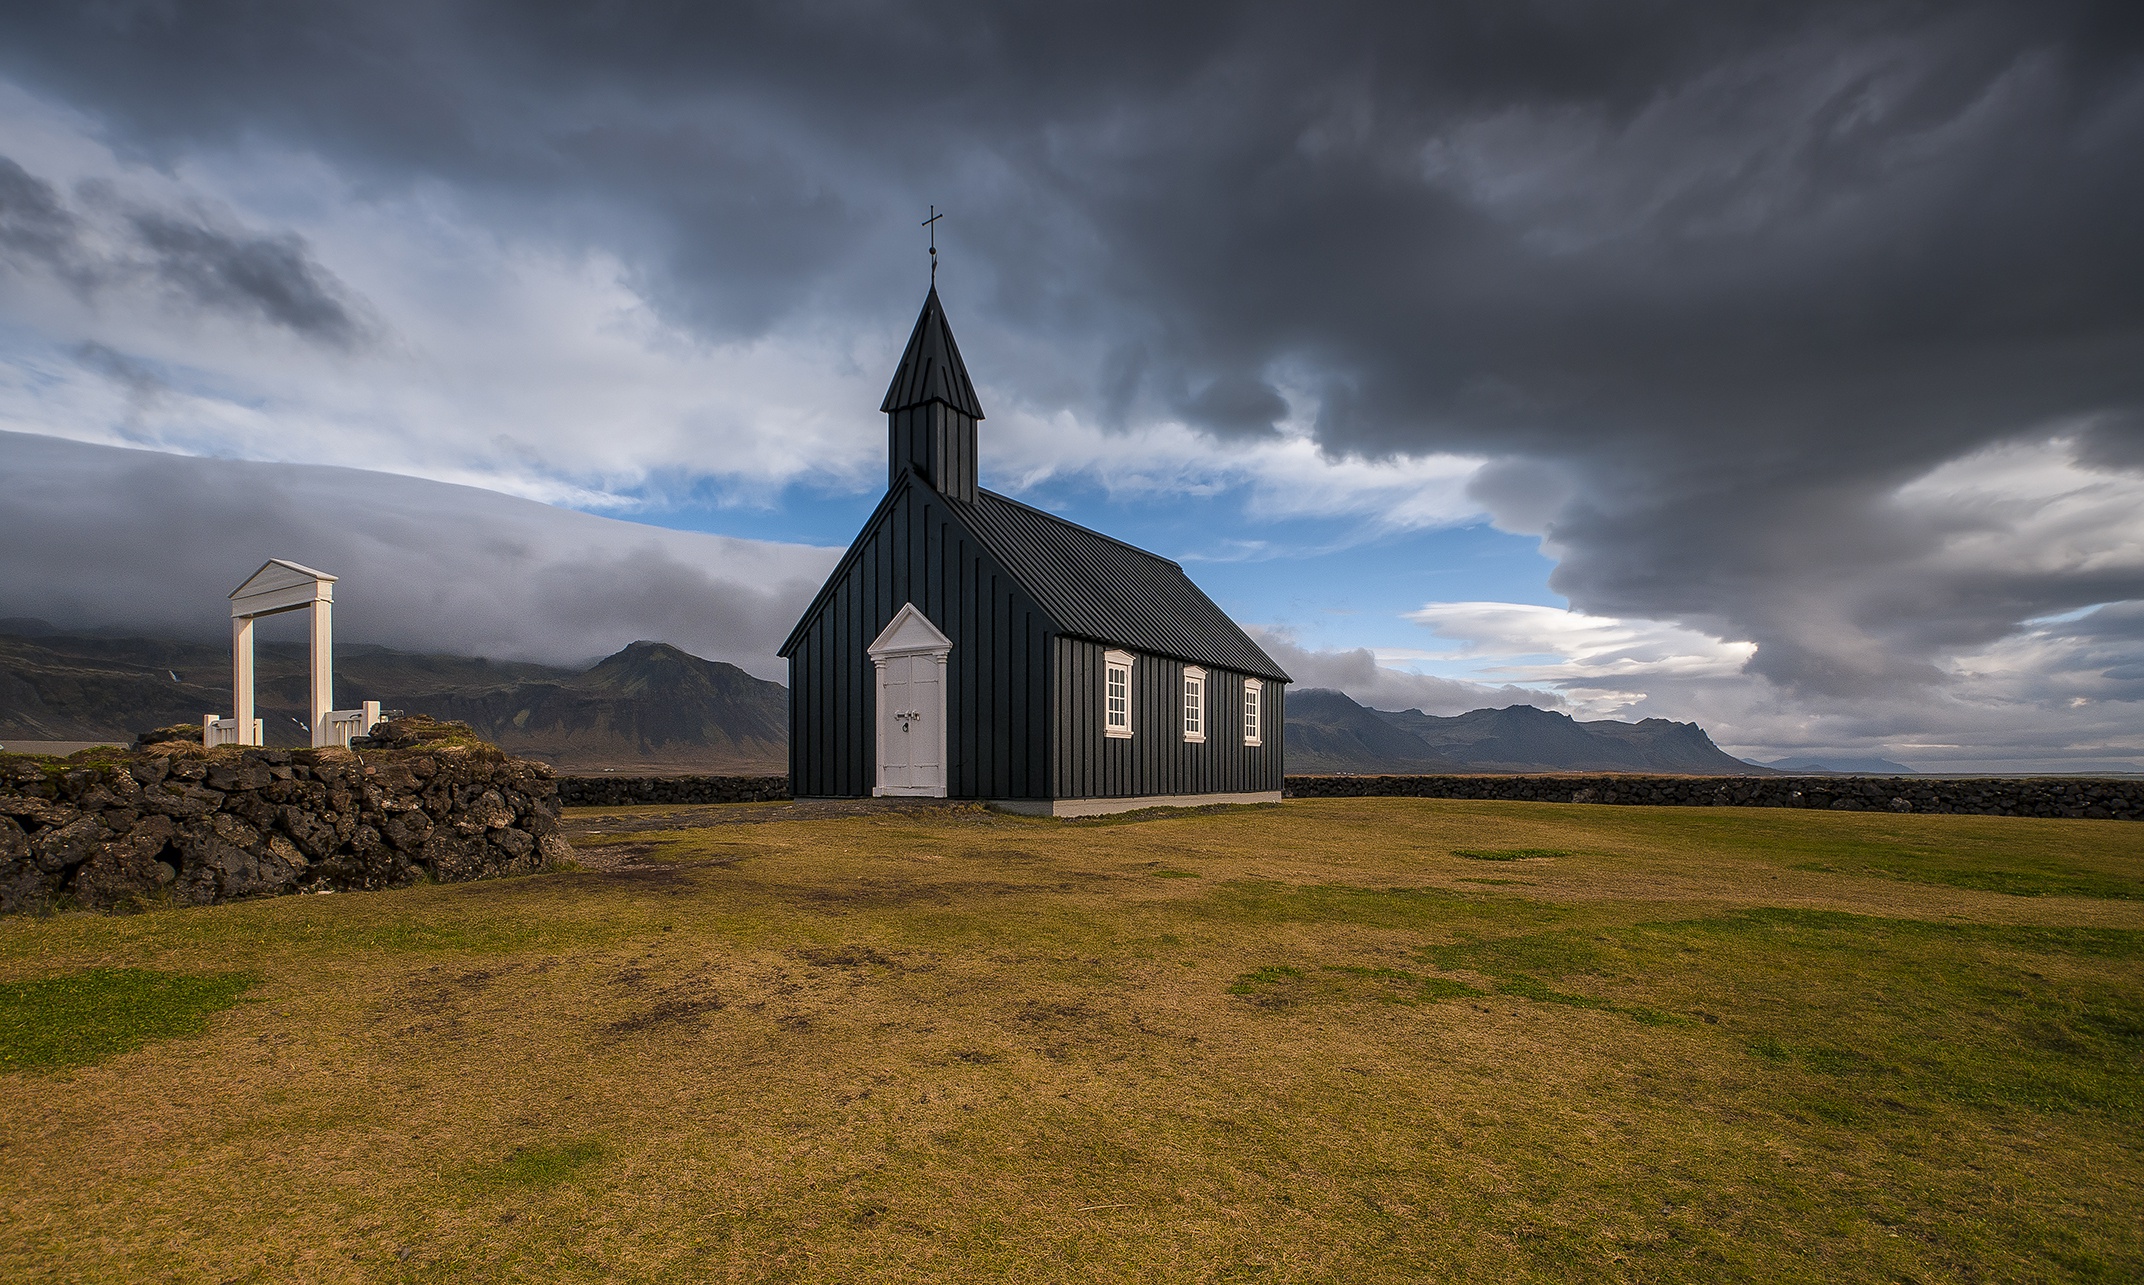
911	731
910	659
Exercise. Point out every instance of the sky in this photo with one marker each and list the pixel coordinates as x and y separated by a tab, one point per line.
1777	367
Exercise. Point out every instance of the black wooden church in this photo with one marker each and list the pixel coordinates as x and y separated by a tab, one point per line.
968	646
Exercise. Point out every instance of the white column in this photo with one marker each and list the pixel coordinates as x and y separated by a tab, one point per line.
323	669
242	676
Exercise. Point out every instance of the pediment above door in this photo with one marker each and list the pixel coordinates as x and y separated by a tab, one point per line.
910	633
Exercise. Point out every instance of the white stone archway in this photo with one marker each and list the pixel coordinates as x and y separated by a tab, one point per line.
281	586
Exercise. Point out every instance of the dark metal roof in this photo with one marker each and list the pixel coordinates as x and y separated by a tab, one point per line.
1104	589
931	369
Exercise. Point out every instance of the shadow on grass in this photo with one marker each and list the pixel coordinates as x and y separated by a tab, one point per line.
1509	854
2051	880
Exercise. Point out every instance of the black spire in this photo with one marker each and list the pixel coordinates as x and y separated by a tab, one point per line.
931	409
931	369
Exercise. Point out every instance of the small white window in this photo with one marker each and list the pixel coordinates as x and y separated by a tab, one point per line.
1252	690
1195	705
1117	694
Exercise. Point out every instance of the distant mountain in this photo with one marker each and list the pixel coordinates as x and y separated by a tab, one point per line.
1328	732
1837	765
650	705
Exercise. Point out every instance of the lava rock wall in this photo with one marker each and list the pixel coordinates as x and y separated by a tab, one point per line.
620	791
177	824
2096	798
2114	798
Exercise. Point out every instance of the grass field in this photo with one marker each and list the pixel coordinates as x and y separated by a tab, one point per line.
1347	1040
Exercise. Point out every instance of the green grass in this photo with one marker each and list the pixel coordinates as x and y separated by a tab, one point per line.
979	1047
540	1165
85	1017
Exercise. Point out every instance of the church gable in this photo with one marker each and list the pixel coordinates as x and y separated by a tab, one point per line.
918	551
880	530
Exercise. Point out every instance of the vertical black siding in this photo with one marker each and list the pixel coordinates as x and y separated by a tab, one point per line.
997	719
1156	759
938	442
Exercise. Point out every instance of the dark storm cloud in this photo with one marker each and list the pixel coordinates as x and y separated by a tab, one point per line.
193	259
273	276
34	225
1718	278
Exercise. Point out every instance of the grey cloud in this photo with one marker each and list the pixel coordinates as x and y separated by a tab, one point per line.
191	258
274	277
35	226
1236	405
2115	440
143	386
1730	274
99	536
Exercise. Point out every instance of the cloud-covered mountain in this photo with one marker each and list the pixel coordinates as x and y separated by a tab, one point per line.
154	543
650	707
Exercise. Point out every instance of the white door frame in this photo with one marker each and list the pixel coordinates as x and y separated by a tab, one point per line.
909	634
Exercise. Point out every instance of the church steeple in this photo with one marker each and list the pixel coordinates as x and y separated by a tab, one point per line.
931	409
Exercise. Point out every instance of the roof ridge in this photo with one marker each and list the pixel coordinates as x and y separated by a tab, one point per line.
1099	535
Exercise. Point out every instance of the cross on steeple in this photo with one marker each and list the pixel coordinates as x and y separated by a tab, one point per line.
932	223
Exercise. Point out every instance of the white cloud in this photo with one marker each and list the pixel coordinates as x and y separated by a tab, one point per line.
2028	508
520	366
517	360
2061	694
1282	476
1595	655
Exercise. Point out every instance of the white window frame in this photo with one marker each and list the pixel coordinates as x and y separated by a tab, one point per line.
1195	711
1113	663
1254	712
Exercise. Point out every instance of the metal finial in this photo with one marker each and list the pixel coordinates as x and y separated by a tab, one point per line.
932	224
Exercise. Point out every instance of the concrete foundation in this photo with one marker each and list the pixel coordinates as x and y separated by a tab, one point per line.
1104	807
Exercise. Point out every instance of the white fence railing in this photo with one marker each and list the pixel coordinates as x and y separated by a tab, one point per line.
339	725
226	731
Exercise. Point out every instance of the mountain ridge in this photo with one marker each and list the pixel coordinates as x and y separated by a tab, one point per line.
648	706
1330	732
1837	765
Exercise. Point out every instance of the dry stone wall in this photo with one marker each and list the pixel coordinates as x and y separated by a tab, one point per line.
2097	798
1983	796
620	791
179	824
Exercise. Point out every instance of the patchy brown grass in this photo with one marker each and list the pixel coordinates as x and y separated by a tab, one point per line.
1320	1042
